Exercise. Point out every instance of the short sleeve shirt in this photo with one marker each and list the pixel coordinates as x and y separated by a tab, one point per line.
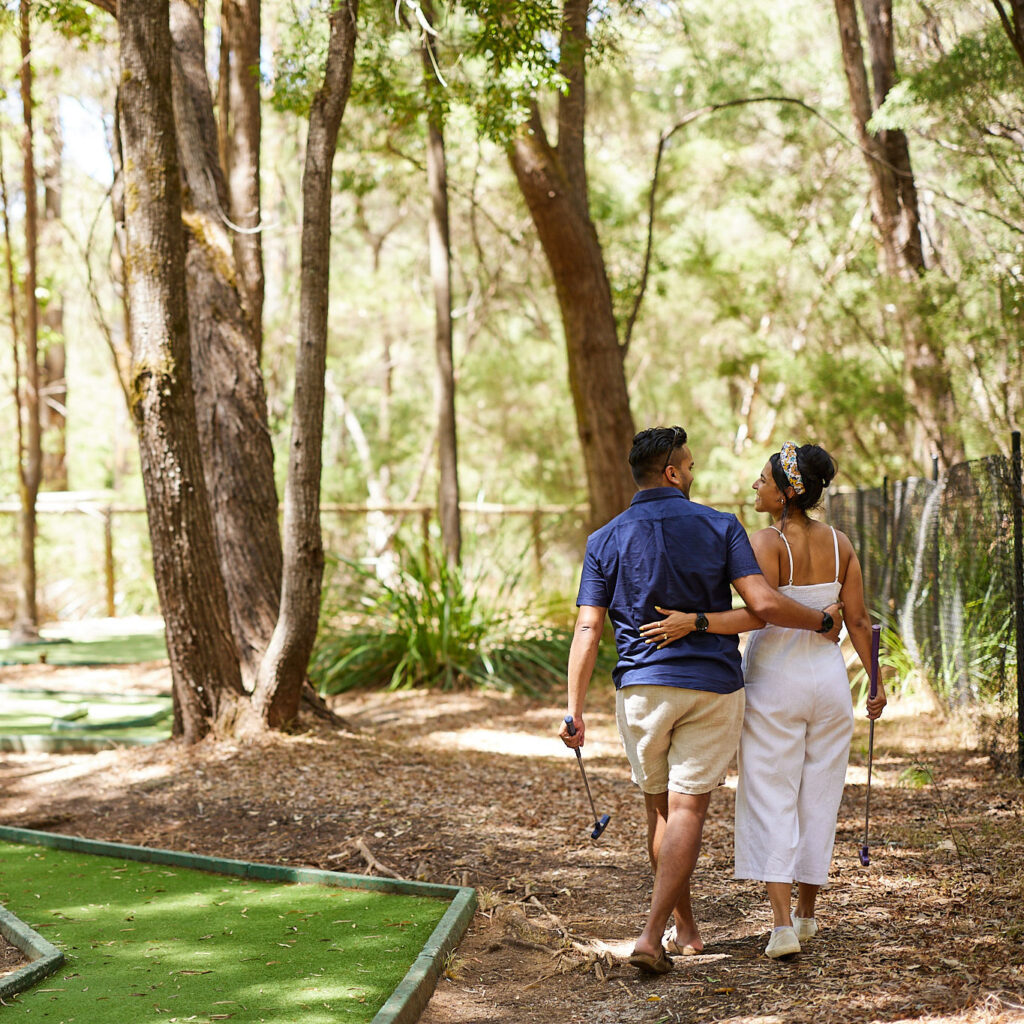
669	551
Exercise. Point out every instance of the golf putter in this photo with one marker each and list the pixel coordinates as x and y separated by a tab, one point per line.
600	823
876	636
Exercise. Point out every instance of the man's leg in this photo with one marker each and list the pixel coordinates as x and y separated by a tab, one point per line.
676	858
687	932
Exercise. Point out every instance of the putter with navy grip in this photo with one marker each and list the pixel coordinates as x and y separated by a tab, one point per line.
600	823
876	638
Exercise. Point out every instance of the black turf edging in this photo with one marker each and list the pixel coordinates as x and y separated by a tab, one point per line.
403	1006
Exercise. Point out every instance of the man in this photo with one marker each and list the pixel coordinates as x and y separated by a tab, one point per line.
679	707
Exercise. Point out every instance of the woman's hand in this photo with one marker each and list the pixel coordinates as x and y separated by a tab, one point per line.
673	627
877	703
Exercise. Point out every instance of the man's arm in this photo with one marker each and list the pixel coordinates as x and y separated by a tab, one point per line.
586	639
768	604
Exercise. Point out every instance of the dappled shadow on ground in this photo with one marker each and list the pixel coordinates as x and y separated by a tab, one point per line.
476	789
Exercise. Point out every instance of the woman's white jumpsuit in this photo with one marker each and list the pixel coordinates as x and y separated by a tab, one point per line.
794	748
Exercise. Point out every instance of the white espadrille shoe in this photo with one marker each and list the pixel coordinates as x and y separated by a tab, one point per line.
805	927
782	943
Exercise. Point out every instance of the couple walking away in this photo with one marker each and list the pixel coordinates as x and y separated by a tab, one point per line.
662	571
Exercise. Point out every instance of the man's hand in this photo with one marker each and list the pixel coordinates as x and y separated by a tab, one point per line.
836	611
570	740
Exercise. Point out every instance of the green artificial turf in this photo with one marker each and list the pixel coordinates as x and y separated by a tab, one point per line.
146	942
104	650
70	714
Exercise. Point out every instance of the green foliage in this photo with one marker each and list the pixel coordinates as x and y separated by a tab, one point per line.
301	56
511	54
917	776
435	625
980	65
78	21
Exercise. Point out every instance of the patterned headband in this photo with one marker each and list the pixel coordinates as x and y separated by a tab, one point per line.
788	459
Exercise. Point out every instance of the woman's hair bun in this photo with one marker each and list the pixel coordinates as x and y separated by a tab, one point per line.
816	463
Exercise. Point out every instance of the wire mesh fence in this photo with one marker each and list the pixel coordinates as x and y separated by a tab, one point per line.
942	570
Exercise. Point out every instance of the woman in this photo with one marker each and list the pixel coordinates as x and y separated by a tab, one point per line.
799	717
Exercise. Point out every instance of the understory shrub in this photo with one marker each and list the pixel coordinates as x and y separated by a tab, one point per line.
433	625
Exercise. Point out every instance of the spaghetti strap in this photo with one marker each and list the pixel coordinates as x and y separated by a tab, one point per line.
835	545
789	551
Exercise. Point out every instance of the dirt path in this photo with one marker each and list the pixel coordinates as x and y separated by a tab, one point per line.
475	789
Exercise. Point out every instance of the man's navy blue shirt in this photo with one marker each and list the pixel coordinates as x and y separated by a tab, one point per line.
667	550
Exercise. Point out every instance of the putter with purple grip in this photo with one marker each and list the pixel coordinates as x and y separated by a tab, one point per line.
876	637
600	823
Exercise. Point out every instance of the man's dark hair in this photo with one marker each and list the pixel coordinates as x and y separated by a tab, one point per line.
652	452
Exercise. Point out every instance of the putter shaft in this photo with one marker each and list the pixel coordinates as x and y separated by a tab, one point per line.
600	822
876	639
867	803
583	772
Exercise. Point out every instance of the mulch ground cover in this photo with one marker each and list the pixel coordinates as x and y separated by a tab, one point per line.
158	942
475	789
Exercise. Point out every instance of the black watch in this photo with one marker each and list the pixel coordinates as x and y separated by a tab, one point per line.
827	622
701	625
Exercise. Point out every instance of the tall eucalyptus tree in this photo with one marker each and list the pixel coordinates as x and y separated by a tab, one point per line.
897	218
439	243
553	181
30	452
282	671
204	664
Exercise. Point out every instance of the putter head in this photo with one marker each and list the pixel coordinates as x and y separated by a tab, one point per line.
864	858
600	825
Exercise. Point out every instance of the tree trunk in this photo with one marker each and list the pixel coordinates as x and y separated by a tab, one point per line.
554	185
12	302
207	683
53	389
230	399
240	110
896	216
26	621
596	373
283	670
1013	23
441	277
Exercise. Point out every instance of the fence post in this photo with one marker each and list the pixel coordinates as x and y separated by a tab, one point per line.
882	592
1018	593
108	560
938	637
538	548
861	553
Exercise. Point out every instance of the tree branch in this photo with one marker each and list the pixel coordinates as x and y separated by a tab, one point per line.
713	108
1012	28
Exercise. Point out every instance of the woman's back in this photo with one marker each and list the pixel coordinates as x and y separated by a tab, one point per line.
806	554
808	570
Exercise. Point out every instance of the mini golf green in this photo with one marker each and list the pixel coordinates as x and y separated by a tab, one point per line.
152	941
64	719
125	649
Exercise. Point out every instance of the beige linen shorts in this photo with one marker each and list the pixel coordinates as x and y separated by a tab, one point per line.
678	739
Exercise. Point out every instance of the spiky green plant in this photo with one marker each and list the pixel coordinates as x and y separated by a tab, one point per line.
434	625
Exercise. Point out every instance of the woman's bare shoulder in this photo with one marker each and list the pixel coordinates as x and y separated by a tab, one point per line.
845	544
